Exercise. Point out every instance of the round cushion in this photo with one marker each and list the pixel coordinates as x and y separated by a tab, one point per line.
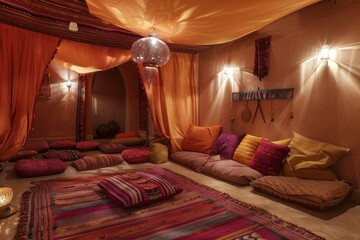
39	167
136	155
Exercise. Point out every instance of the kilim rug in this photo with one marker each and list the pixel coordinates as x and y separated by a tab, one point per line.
75	208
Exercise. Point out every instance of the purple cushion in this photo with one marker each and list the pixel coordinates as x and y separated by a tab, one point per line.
97	161
268	157
226	144
112	147
230	170
39	167
195	160
87	145
23	154
136	155
137	189
62	144
65	155
40	145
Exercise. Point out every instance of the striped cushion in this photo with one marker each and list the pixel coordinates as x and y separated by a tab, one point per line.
137	189
96	161
112	147
65	155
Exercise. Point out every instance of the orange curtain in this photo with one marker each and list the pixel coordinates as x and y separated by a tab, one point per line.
24	56
85	58
173	98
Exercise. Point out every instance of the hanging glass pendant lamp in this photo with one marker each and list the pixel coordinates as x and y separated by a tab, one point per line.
152	53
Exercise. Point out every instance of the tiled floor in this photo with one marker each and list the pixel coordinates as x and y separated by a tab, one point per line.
342	222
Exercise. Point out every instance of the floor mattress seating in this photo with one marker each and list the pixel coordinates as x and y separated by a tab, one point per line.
295	169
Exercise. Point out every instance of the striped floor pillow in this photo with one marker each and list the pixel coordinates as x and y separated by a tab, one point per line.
112	147
65	155
97	161
137	189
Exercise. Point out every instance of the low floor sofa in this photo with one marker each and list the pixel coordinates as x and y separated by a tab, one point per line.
296	169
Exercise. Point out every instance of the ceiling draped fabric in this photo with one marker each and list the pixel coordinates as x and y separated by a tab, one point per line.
195	22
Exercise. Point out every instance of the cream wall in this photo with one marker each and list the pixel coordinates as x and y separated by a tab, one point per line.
326	100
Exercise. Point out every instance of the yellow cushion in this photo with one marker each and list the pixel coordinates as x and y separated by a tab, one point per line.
284	142
246	149
311	159
200	139
158	153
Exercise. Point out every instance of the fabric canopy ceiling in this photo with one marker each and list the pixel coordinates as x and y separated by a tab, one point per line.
186	25
195	22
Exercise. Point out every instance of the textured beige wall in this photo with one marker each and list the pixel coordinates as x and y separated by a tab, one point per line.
327	100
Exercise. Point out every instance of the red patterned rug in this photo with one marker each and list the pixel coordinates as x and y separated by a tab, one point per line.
75	208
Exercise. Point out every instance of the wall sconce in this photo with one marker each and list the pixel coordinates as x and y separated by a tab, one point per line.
325	52
6	195
68	84
73	27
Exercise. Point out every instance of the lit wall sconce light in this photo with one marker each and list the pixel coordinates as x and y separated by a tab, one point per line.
73	27
325	52
68	84
6	195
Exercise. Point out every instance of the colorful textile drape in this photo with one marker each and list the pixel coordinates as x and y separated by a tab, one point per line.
173	97
80	115
262	52
24	56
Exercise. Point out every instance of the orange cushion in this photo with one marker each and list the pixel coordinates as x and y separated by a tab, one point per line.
127	135
200	139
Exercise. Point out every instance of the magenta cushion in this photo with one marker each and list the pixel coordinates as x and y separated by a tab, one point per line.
226	144
23	154
87	145
268	157
62	145
40	145
136	155
39	167
137	189
65	155
112	147
97	161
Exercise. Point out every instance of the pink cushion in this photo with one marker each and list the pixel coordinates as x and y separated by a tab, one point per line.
111	147
39	167
226	144
65	155
136	155
62	144
23	154
40	145
268	157
194	160
97	161
87	145
137	189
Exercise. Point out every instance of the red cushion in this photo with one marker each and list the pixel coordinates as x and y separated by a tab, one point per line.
40	145
62	144
87	145
65	155
23	154
111	147
127	135
268	157
39	167
136	155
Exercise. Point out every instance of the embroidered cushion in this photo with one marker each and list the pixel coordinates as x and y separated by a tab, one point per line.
136	155
22	154
137	189
97	161
226	144
311	193
246	149
268	158
312	159
62	144
111	147
40	145
65	155
200	139
39	167
87	145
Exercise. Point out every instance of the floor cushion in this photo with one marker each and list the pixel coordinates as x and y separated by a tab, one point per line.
111	147
87	145
194	160
65	155
39	167
136	155
131	141
62	144
23	154
158	153
97	161
39	145
230	170
316	194
137	189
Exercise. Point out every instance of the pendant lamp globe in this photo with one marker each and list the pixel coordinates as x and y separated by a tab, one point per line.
152	53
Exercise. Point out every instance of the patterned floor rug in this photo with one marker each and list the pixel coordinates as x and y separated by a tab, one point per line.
76	208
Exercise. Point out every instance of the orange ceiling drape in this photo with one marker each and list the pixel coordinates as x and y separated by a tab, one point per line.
194	22
173	97
24	56
85	58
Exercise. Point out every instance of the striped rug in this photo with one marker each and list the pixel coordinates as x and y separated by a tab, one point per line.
75	208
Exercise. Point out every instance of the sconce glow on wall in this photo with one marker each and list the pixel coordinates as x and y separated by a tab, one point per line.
229	71
68	84
325	52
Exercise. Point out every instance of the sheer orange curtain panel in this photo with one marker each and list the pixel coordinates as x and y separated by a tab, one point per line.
24	56
85	58
173	97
